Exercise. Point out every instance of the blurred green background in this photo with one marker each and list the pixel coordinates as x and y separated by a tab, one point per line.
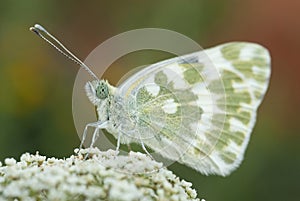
36	82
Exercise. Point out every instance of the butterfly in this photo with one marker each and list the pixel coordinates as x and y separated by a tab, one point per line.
198	109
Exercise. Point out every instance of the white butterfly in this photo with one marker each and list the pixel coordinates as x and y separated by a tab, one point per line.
198	109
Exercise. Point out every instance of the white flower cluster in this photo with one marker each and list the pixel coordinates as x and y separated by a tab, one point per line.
103	176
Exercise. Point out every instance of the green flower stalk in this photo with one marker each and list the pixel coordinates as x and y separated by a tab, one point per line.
102	176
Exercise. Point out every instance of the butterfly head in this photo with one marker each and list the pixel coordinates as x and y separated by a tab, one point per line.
98	90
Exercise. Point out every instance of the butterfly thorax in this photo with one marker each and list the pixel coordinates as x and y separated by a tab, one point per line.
110	108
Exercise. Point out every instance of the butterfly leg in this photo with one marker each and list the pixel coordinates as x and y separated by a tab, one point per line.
144	148
97	125
118	142
95	136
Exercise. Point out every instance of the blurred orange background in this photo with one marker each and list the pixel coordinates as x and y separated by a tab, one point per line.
36	82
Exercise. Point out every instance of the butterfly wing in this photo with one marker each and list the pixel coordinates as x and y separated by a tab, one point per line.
199	109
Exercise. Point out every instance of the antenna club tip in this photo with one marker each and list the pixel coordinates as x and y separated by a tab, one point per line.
34	30
39	27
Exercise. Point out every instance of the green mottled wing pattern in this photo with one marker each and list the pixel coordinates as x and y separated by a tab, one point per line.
199	109
165	103
245	72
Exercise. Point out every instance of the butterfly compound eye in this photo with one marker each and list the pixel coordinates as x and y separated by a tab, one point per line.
102	90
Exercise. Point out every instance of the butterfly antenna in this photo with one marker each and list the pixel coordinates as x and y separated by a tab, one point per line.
41	31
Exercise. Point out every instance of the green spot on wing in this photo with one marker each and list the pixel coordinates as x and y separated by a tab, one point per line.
238	138
244	117
192	76
259	61
161	78
232	51
246	67
228	157
143	96
192	72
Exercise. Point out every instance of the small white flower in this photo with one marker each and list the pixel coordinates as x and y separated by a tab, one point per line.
10	161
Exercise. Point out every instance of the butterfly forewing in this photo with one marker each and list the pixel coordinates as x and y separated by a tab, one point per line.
199	109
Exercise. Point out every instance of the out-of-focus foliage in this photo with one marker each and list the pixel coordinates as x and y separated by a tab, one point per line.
36	83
